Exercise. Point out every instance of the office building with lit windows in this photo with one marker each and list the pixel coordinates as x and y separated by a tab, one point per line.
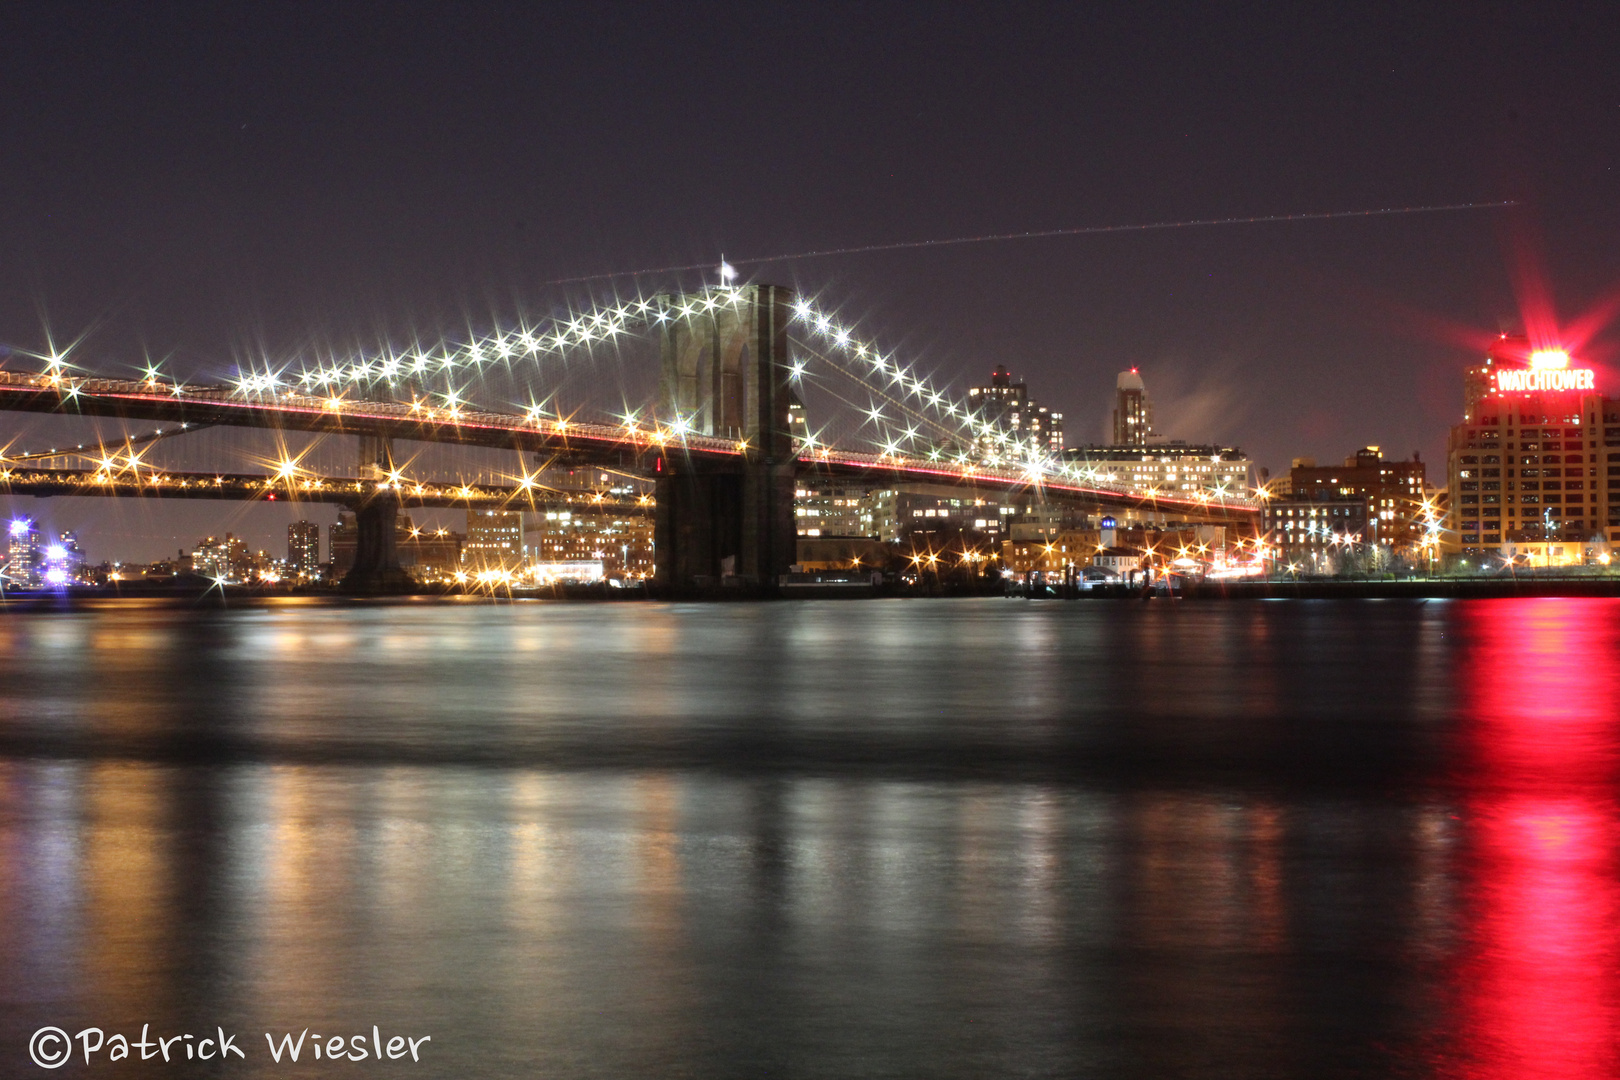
303	549
833	508
24	556
1328	535
1395	491
494	540
1534	468
900	513
616	541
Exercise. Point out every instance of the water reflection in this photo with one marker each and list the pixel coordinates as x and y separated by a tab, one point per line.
1539	974
1038	860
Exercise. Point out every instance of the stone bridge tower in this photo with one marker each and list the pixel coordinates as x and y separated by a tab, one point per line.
726	374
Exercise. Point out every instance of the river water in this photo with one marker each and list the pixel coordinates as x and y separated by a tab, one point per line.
974	838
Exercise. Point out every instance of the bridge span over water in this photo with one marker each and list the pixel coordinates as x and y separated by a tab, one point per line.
722	442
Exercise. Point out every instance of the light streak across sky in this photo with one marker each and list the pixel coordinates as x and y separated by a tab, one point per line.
1037	234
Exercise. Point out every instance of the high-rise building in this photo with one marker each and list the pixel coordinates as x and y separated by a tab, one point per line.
24	559
1133	412
303	549
1534	468
72	551
1006	408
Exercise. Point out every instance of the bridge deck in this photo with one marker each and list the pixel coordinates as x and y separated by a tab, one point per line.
623	444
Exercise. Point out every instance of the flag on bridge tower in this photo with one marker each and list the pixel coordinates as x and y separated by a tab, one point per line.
728	273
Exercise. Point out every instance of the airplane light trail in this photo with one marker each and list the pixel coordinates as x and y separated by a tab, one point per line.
1037	234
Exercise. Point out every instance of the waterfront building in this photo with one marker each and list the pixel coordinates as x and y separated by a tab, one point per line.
303	549
843	553
494	540
430	556
1399	515
1326	535
24	559
1036	548
1535	464
563	544
899	512
833	508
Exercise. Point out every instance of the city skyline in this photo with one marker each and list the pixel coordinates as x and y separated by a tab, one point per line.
213	244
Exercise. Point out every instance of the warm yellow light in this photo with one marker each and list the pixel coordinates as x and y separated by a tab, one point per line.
1549	359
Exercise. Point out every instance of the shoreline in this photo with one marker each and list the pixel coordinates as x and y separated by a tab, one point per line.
1524	586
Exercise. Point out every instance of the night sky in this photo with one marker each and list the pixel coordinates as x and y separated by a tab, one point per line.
200	184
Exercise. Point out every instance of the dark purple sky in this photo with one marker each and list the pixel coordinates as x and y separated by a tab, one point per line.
198	183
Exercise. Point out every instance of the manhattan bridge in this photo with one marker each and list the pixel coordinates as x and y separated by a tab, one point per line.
725	399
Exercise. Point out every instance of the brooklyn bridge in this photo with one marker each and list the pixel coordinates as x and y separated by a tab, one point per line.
754	389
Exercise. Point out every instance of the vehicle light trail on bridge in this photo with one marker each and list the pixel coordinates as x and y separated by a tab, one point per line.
54	392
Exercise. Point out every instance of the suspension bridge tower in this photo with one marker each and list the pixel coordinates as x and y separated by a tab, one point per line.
725	373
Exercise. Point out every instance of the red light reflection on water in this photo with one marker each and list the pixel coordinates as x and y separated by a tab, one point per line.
1538	979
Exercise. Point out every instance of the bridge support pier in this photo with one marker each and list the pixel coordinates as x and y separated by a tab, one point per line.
376	569
725	374
716	526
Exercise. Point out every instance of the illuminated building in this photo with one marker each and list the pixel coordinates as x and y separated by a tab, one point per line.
1050	549
1534	468
72	551
61	562
568	544
1006	407
898	513
618	542
1327	535
1117	556
1394	491
24	560
303	549
494	540
1133	412
224	559
833	508
1140	460
1171	467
